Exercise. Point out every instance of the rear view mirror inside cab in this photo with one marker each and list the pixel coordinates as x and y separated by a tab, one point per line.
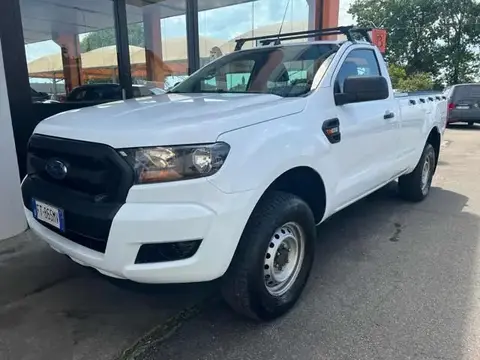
361	89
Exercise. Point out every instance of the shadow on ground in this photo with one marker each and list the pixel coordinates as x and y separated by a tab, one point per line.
391	280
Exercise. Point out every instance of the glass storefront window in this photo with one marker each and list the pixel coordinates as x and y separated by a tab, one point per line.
223	21
158	43
71	50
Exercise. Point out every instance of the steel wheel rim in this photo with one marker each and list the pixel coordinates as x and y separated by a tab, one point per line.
426	174
284	258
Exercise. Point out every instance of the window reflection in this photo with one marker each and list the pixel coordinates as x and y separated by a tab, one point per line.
223	21
158	42
71	50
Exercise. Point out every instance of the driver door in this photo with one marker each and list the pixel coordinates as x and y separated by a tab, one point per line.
368	133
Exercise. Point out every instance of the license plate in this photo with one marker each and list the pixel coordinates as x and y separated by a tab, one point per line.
463	107
48	214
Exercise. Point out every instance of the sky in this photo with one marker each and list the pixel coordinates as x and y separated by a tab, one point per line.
344	18
223	23
228	22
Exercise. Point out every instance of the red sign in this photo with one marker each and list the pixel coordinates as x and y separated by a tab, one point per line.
379	38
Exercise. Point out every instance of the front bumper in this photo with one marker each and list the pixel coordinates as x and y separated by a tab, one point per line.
162	213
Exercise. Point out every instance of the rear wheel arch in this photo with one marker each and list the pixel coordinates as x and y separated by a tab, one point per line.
435	139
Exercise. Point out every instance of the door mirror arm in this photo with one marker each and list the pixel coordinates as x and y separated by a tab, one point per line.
343	99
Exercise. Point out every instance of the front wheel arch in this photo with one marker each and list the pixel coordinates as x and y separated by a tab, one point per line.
307	184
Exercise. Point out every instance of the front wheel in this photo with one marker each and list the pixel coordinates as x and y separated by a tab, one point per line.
273	260
416	185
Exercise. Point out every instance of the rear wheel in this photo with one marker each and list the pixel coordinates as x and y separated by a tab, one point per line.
273	260
471	123
416	185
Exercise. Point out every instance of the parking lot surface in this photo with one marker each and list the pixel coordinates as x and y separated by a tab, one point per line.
391	280
54	309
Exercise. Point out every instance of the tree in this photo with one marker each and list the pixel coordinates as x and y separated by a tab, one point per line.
416	82
438	37
410	24
413	82
397	74
106	37
459	31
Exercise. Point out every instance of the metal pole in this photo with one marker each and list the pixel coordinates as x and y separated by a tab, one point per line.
123	52
193	39
16	76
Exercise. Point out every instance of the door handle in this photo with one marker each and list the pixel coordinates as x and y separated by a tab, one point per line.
331	129
389	115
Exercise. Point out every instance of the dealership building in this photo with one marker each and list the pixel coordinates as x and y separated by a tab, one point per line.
49	48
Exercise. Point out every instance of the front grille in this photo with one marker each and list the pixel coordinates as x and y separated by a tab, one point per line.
94	188
93	169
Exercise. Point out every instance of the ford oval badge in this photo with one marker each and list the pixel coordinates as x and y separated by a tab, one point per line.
56	169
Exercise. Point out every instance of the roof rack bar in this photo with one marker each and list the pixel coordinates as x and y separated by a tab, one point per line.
348	31
342	29
364	33
270	40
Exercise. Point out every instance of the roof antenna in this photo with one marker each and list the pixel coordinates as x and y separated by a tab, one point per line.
283	21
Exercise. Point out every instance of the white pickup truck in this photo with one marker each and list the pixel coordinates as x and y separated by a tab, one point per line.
228	174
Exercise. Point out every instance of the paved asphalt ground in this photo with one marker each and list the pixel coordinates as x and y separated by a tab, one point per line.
391	280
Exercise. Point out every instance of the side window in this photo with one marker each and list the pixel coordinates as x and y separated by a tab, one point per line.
361	62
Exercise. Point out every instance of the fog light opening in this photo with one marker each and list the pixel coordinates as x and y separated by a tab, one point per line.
163	252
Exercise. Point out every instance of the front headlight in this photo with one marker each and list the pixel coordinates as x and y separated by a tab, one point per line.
162	164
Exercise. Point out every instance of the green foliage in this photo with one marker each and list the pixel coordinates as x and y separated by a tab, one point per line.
460	56
414	82
106	37
397	74
438	37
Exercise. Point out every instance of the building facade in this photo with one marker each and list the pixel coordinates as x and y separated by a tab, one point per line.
66	54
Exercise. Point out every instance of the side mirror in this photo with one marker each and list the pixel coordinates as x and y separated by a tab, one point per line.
363	88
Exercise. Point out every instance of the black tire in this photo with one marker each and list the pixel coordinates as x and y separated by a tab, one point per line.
471	124
411	186
243	286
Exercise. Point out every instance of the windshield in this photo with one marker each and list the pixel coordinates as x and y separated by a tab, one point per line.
281	70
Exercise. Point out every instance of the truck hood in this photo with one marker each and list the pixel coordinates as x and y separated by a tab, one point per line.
169	119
